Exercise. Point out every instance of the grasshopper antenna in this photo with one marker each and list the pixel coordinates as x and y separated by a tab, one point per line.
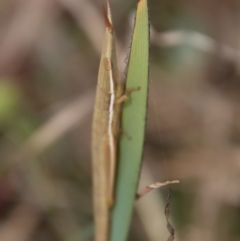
106	19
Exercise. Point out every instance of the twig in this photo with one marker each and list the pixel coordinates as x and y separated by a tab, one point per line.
167	213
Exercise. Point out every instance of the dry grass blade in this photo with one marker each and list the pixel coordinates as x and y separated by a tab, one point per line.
155	185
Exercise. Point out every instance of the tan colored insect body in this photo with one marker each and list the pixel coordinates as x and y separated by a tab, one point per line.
105	132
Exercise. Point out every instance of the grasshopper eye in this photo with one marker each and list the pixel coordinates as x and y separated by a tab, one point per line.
107	64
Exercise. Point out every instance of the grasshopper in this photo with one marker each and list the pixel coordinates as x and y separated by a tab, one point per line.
106	127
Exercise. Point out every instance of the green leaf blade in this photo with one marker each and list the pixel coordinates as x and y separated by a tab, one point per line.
133	122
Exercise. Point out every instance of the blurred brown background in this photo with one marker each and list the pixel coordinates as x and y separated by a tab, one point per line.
49	56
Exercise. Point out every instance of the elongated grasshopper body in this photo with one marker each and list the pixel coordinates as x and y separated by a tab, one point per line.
106	119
